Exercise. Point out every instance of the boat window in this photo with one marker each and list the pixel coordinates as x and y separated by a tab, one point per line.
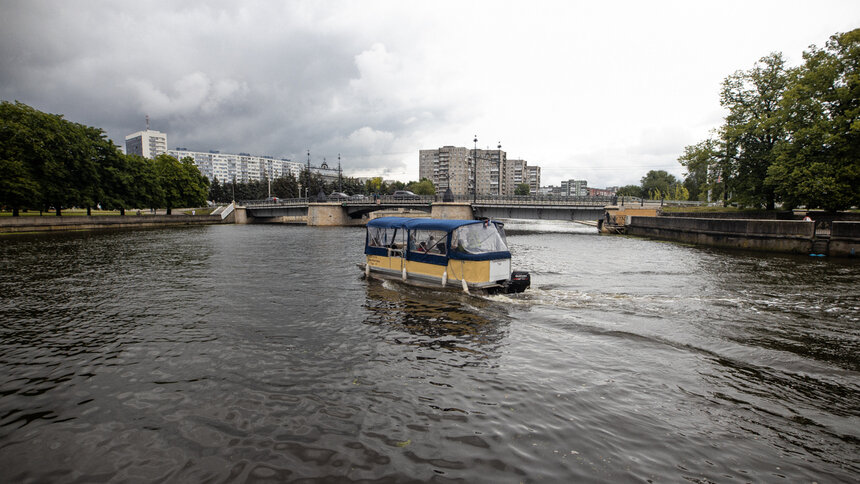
386	237
478	239
428	241
501	228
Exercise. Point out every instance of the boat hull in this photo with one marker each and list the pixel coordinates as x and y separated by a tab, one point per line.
487	276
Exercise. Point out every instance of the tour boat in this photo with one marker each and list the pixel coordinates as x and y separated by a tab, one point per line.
468	254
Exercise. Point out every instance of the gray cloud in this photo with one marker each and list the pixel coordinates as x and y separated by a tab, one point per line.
378	80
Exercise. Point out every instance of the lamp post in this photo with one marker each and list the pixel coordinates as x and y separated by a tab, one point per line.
339	175
475	171
309	172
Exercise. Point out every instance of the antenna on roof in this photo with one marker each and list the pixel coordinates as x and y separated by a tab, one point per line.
147	122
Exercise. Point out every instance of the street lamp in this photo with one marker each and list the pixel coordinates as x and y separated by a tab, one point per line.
309	171
475	172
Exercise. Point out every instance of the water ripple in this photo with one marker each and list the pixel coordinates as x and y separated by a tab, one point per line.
257	353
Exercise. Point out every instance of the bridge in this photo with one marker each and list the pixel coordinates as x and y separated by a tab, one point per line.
356	210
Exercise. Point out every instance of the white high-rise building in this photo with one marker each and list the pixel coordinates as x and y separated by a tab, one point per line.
242	167
148	143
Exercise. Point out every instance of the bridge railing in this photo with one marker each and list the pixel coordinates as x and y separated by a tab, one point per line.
523	200
274	202
543	200
426	199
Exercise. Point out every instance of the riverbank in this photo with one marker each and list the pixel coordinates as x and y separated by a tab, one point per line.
100	222
839	238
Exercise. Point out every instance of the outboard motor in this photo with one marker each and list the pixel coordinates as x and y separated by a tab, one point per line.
519	282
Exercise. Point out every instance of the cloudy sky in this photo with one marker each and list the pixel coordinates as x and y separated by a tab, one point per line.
600	90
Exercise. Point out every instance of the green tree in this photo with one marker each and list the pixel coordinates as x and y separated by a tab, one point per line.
195	186
390	188
352	186
630	191
754	126
18	155
656	183
522	189
90	147
423	187
312	184
116	190
818	163
285	186
678	192
701	161
216	191
374	185
145	189
181	182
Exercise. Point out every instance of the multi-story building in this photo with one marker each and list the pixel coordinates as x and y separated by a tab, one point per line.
574	188
242	167
491	170
533	178
148	143
516	174
447	167
452	166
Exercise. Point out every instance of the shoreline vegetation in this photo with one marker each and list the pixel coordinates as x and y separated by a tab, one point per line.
81	212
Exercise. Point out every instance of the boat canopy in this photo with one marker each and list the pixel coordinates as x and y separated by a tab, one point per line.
434	241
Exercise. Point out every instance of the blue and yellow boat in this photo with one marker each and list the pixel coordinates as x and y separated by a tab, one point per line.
469	254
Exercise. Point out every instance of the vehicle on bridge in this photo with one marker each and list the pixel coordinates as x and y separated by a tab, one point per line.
471	254
405	195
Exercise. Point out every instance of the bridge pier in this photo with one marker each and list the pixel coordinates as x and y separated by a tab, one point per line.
240	216
327	215
452	211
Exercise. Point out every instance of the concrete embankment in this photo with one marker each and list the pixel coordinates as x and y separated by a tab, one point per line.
50	224
769	235
845	238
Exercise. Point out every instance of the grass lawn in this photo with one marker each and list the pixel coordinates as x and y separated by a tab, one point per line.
709	209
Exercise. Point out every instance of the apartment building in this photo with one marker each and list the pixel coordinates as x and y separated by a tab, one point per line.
148	143
574	188
447	167
451	166
241	167
533	178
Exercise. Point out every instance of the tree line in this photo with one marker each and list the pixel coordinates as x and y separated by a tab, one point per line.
289	186
656	185
791	135
47	162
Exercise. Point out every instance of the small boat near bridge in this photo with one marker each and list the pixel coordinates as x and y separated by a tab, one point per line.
471	255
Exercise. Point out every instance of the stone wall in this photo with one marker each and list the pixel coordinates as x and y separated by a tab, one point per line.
51	223
845	239
771	235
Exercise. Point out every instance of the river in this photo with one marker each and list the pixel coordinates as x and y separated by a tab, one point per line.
258	353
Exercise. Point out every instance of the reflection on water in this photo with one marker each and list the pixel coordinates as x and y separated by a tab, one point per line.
258	353
435	318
